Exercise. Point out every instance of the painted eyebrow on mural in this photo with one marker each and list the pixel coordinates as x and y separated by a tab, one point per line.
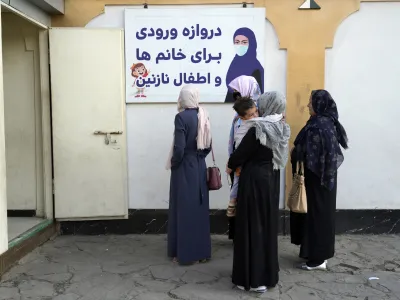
243	42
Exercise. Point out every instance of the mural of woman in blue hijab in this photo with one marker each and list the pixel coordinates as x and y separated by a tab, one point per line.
245	61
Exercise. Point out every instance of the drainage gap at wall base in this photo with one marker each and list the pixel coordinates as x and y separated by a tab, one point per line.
155	221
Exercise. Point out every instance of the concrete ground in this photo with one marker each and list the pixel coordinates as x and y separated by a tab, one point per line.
135	267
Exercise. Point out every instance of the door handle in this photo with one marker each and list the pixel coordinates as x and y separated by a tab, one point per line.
107	136
99	132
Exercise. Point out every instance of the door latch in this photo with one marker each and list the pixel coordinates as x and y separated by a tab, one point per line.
107	136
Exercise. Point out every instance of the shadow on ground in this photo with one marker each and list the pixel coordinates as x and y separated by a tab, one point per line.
135	267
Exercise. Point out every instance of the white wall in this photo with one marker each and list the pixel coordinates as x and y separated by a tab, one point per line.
22	107
150	126
3	185
363	73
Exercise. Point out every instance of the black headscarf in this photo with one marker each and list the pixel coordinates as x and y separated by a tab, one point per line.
318	143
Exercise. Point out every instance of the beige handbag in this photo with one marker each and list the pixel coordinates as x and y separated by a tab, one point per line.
297	199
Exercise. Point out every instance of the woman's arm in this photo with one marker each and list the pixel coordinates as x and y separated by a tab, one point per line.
293	160
246	150
179	142
230	142
308	148
232	135
205	152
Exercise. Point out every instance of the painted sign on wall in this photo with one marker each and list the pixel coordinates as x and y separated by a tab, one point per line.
168	48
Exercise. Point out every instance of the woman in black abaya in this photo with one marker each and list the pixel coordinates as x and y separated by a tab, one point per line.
262	153
318	147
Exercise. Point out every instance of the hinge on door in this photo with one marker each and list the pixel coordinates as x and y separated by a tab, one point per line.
48	53
52	187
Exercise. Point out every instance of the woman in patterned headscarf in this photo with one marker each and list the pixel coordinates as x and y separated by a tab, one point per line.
318	147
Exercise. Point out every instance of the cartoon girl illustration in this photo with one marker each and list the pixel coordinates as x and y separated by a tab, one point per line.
139	70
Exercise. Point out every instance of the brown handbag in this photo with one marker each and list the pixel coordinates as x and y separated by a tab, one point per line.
214	181
297	199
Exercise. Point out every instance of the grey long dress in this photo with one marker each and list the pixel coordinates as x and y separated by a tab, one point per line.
189	222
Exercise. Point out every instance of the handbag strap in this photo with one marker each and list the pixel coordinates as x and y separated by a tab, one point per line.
212	153
301	168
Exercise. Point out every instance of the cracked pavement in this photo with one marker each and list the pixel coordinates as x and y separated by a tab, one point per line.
135	267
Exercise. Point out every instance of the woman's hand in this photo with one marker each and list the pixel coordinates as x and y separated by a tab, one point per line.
228	171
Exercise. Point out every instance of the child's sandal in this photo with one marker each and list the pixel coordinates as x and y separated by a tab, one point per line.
231	211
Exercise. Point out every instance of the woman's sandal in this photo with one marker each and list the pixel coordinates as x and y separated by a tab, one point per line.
231	211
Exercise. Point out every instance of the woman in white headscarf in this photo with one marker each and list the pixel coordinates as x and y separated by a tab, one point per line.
262	153
242	86
188	223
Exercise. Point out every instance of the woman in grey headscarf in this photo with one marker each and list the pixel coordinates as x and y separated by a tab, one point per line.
262	153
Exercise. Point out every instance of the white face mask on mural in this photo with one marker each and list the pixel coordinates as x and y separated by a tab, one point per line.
241	49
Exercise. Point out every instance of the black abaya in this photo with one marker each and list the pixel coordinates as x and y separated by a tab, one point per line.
315	231
231	220
255	259
318	145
